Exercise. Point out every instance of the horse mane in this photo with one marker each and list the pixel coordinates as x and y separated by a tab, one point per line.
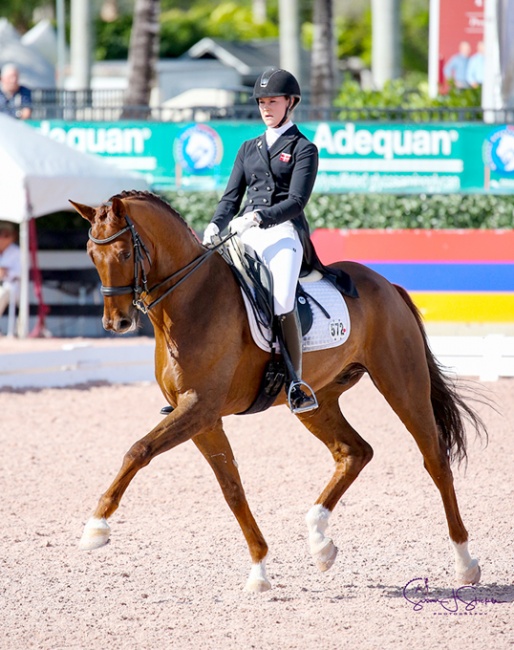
145	195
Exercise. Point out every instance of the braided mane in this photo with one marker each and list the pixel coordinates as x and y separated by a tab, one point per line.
144	195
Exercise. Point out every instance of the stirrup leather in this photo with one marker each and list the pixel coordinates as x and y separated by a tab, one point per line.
303	402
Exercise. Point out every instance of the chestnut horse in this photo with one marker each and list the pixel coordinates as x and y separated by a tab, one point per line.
208	367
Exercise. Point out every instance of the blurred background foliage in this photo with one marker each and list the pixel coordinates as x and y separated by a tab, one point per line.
68	230
374	210
409	92
185	23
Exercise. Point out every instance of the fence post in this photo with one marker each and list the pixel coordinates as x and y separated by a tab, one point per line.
492	352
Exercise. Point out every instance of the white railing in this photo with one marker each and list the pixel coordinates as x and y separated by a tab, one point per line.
486	357
77	364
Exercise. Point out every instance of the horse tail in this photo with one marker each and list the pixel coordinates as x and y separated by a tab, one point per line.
450	409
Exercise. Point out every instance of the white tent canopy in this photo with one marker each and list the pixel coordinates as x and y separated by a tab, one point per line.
38	176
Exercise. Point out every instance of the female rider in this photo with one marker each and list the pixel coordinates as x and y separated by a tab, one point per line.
277	172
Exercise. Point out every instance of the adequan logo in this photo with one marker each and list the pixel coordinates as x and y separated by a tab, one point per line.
198	149
499	151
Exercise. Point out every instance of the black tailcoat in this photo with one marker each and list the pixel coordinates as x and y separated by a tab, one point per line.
277	183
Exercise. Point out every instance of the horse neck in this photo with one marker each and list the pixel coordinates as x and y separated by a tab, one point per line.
174	246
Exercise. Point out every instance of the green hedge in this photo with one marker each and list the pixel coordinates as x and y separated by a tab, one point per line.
375	210
67	230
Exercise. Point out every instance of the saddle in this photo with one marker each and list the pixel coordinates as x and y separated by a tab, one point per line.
256	283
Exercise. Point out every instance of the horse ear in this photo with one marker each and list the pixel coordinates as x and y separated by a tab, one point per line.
85	211
117	208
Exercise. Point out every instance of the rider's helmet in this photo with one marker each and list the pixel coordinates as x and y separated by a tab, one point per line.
274	82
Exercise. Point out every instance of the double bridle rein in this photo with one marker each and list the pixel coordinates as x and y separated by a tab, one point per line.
140	284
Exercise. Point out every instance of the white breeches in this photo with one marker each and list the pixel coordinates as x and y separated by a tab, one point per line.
281	250
5	296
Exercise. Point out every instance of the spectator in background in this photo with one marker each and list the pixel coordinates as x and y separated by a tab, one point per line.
15	100
10	264
475	69
456	67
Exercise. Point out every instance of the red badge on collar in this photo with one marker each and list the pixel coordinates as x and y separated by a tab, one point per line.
285	157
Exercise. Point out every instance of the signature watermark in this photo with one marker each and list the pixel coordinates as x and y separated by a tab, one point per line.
466	600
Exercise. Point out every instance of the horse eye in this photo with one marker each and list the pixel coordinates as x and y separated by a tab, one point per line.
125	255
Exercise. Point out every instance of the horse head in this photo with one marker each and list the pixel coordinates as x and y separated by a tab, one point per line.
143	250
121	259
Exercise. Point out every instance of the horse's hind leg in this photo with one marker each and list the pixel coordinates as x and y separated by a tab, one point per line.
216	449
409	395
351	454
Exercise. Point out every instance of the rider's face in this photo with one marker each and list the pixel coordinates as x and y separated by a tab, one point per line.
273	109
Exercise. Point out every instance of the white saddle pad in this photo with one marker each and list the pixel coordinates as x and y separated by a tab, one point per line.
325	332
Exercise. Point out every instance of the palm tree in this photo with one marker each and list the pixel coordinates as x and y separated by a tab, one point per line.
143	52
323	64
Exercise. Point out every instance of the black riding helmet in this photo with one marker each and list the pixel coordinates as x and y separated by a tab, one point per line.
274	82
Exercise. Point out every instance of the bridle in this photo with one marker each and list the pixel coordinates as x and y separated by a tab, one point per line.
140	284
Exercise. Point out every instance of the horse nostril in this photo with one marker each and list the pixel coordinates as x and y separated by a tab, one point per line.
124	323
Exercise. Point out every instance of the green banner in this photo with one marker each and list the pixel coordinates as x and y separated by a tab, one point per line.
354	157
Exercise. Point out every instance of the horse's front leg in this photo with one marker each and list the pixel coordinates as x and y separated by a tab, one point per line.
179	426
216	449
351	454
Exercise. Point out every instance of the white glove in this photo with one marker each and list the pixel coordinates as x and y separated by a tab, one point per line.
239	225
210	233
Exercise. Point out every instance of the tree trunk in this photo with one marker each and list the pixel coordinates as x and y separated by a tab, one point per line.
143	52
323	64
386	51
259	11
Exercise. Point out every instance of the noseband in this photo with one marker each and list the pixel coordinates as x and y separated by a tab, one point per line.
140	283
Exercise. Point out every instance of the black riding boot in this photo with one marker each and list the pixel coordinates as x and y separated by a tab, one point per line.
299	401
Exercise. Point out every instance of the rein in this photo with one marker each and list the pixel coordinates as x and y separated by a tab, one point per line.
140	284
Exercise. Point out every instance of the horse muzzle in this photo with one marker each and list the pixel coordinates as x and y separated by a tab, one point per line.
120	323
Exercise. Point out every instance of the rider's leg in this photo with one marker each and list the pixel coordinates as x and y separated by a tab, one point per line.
299	401
282	251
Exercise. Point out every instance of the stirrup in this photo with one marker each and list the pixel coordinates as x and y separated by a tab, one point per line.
299	401
166	410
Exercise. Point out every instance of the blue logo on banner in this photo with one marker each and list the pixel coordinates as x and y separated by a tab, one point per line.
499	151
198	149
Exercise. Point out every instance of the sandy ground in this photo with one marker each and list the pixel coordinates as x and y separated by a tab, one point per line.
173	574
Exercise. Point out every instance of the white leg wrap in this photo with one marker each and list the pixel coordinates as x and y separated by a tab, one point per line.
96	534
321	547
257	580
466	568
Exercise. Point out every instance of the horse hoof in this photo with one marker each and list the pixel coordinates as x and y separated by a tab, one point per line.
325	558
96	534
257	586
471	576
257	580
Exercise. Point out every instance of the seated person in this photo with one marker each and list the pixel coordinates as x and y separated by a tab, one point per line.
15	100
10	264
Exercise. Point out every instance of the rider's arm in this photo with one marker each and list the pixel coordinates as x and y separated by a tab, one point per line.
230	202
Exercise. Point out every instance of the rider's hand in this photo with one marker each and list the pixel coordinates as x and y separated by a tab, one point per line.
239	225
209	234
